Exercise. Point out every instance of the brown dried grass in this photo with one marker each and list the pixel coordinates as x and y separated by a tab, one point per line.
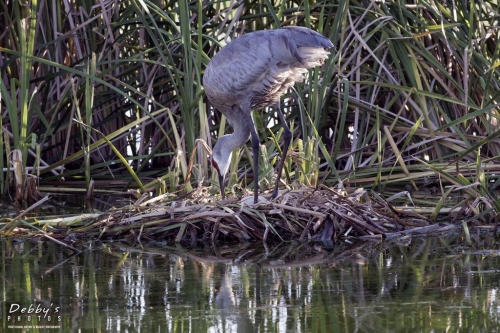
304	214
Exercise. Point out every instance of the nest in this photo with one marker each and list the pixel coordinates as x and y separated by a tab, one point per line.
304	214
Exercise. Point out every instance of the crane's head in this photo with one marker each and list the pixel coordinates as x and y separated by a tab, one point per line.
221	157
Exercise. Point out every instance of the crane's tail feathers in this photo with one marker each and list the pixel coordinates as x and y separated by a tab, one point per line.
312	56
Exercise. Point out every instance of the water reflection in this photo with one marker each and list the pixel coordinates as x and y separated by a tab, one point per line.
420	286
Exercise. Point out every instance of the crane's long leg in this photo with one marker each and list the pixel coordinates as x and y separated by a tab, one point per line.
287	137
255	148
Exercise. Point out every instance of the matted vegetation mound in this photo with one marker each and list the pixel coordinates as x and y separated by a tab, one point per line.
303	214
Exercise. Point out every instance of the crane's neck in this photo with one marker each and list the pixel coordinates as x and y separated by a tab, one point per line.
240	135
224	147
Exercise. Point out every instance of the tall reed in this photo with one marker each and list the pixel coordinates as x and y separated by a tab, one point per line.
410	88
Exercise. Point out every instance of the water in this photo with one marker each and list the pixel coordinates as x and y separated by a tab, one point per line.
418	285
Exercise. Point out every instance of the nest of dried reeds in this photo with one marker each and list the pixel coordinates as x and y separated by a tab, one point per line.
305	214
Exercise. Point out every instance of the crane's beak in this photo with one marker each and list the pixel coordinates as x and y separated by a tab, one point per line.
214	164
222	185
222	180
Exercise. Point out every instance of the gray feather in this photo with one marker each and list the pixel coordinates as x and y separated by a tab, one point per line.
257	68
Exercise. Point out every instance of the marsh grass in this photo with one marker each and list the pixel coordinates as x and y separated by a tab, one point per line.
111	92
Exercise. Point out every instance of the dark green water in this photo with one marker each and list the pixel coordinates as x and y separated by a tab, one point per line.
425	285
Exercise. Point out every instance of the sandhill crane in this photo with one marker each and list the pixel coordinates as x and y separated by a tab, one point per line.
252	72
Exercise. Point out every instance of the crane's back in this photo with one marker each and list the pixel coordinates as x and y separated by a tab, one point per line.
254	70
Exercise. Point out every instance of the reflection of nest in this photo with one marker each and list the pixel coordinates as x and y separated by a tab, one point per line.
292	254
305	214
